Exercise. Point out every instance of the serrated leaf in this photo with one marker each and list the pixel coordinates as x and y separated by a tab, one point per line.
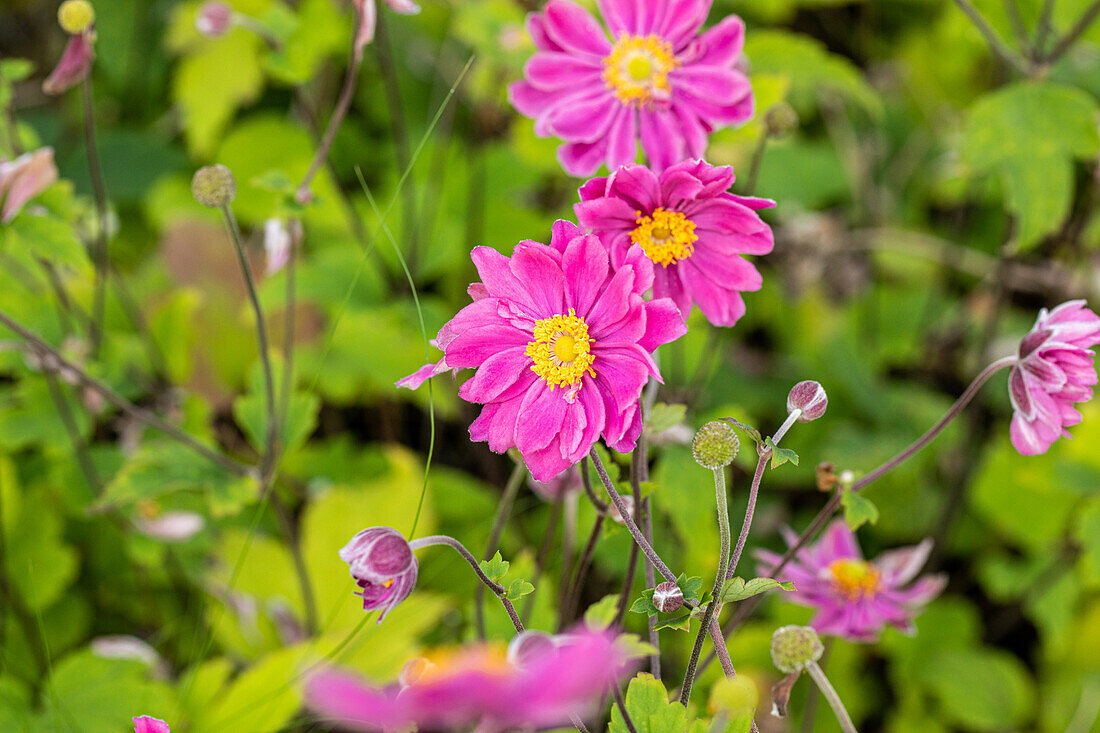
518	589
677	623
780	455
858	509
649	708
664	416
632	647
1028	134
749	430
32	237
644	604
690	587
602	613
738	589
495	568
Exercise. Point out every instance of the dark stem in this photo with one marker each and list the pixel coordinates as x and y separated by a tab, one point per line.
569	610
268	461
338	114
640	473
757	160
749	511
60	363
618	694
80	447
1074	33
99	189
497	588
294	540
1012	10
996	45
1042	28
504	511
810	711
586	481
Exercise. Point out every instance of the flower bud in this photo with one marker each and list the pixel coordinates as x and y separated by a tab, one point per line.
715	445
668	597
793	647
383	565
75	16
780	120
529	645
613	509
73	66
737	697
214	186
810	398
214	19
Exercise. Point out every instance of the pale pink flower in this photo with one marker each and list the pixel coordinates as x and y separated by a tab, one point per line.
76	62
368	18
383	565
24	178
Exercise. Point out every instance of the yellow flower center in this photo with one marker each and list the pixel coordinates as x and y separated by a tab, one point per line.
637	68
562	350
439	664
666	236
854	578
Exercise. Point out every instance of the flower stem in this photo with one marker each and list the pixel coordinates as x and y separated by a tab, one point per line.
497	588
294	540
504	510
268	461
289	328
827	691
338	114
719	578
996	45
640	473
622	707
99	188
1074	33
754	491
569	609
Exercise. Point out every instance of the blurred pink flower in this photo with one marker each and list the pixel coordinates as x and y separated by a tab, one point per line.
479	686
76	62
147	724
856	598
1055	370
556	488
368	18
655	80
24	178
171	526
687	222
214	19
561	342
383	565
276	245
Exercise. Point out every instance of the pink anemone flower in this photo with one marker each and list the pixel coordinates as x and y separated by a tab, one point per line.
479	686
24	178
655	80
855	598
1055	370
561	342
686	221
148	724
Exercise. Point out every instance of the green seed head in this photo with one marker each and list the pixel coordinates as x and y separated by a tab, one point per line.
794	647
715	445
214	186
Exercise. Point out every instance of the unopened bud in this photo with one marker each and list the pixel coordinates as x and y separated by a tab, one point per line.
613	509
810	398
715	445
794	647
668	597
214	19
214	186
781	120
75	16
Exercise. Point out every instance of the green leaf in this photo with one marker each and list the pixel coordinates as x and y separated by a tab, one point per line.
1088	534
601	613
632	647
677	623
104	693
1028	134
858	509
273	180
649	708
518	589
664	416
32	237
749	430
496	568
982	690
16	69
780	455
738	589
644	603
690	587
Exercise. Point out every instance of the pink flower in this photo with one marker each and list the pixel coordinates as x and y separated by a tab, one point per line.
855	599
1055	370
685	220
478	686
147	724
383	565
566	482
368	18
24	178
277	245
76	62
655	80
214	19
561	343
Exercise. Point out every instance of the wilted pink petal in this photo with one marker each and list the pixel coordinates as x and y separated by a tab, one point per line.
24	178
171	526
75	63
125	647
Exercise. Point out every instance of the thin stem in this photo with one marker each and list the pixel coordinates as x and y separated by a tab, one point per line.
618	694
268	461
1012	10
749	511
99	189
1074	33
338	114
289	327
497	588
294	540
59	363
585	562
719	579
831	697
586	481
757	160
638	474
810	710
504	511
80	448
996	45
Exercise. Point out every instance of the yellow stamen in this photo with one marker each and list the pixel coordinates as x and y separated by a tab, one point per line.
666	237
637	68
562	350
388	583
855	578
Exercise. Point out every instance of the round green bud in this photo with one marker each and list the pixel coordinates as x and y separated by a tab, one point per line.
781	120
75	16
793	647
715	445
734	696
214	186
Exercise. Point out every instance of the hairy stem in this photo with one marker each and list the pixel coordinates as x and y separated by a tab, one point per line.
504	510
338	114
831	697
754	491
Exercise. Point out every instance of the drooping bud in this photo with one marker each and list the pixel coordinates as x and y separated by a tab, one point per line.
214	186
810	398
715	445
529	645
613	509
75	16
214	19
383	565
794	647
76	62
668	597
